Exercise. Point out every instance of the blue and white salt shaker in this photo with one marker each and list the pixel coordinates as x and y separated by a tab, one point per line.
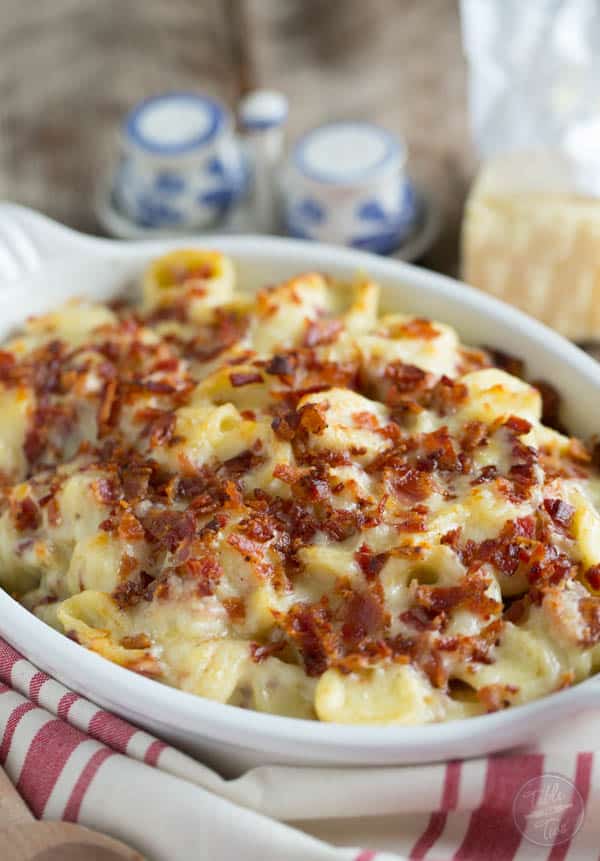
262	117
345	182
181	166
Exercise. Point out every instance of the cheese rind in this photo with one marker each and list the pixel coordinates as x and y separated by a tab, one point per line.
534	248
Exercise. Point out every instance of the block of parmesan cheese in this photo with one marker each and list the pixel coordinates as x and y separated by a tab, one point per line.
530	239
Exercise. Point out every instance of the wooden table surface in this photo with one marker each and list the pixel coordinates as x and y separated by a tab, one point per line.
70	69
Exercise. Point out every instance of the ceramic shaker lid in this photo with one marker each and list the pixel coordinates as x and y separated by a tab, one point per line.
348	153
174	124
263	109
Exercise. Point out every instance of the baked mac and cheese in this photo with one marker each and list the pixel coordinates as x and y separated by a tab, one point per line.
292	503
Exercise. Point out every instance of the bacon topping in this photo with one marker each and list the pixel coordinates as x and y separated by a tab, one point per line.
370	563
418	327
560	512
281	366
162	428
136	641
106	491
363	618
130	528
590	611
496	697
310	628
592	575
176	521
322	332
447	396
167	528
25	514
239	378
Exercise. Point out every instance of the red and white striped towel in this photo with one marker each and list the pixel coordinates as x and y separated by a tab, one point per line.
71	760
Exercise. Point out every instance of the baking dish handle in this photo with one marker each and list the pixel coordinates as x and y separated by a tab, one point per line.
29	239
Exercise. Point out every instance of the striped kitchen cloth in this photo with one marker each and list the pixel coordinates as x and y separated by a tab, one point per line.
71	760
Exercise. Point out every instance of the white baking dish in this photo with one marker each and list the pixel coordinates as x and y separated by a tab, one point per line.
42	263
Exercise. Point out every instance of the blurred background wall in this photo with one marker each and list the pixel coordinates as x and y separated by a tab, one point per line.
70	69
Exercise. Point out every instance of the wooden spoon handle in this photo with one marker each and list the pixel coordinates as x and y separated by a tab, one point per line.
13	810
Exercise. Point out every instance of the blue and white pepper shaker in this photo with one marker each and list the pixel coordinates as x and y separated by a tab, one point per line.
262	117
181	166
345	183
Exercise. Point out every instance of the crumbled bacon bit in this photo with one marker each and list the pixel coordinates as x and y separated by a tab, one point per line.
474	435
320	332
241	463
365	420
24	513
259	652
285	426
408	481
363	617
590	611
7	364
486	473
53	512
135	480
413	521
166	365
107	525
167	527
130	591
107	408
258	528
236	609
130	528
447	396
287	473
406	378
237	378
252	551
106	491
496	697
309	626
127	566
162	428
452	537
592	576
281	366
518	424
433	666
439	451
560	512
341	524
370	563
136	641
312	417
205	572
34	443
421	619
156	387
470	593
418	327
